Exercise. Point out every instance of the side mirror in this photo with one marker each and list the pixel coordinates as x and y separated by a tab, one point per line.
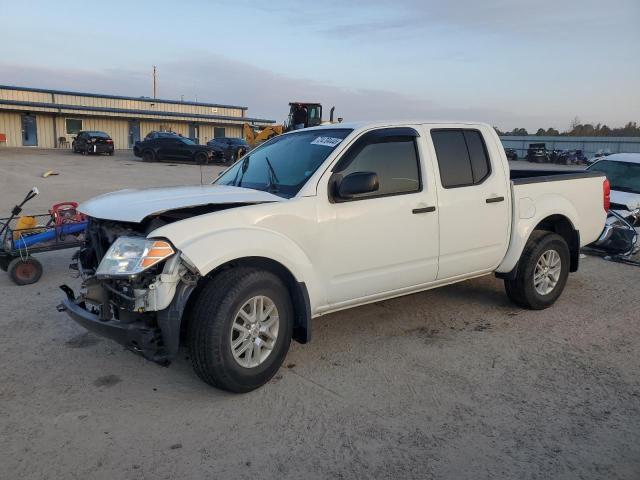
357	183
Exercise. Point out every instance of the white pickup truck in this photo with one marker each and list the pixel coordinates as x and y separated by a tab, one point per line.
320	220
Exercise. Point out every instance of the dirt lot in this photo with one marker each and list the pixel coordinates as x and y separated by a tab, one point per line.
453	383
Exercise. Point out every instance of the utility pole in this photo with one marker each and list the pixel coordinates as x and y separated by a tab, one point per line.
155	89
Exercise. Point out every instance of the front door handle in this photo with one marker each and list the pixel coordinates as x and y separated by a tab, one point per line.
494	199
424	210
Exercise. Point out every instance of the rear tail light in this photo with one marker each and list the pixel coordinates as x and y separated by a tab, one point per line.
109	140
606	195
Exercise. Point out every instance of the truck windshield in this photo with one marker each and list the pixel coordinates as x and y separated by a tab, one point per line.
284	164
623	176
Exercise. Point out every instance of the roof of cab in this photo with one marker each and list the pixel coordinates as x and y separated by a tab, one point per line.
393	123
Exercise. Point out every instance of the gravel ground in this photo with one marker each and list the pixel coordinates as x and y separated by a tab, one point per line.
453	383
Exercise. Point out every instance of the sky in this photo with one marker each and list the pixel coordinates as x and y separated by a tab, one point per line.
509	63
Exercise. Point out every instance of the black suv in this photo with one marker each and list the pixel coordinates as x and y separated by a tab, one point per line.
229	148
537	153
172	147
92	142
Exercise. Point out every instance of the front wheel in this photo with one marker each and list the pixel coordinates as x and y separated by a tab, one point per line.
240	330
542	273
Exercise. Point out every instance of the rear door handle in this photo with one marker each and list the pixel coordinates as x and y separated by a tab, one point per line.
495	199
424	210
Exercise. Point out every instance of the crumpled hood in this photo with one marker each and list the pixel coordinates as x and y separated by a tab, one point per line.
135	205
631	200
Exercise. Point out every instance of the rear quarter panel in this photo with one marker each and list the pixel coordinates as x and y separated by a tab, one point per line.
578	199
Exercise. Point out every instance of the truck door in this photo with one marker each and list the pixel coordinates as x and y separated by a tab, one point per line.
385	240
473	202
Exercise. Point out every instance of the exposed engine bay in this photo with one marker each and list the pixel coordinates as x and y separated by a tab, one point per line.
143	310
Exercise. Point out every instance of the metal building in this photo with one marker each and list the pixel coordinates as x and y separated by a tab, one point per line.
589	145
37	117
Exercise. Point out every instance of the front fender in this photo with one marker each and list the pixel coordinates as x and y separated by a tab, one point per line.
210	250
527	214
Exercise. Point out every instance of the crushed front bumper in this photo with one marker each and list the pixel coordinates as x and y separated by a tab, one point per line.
156	343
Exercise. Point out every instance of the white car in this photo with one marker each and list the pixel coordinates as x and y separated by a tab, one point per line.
623	172
319	220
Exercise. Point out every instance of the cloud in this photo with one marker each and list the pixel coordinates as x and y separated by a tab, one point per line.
374	19
267	94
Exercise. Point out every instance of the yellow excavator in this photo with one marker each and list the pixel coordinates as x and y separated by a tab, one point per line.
301	115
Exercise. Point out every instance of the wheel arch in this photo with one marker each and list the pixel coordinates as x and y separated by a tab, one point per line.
558	223
564	227
297	291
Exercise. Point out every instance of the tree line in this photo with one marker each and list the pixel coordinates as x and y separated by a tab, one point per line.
577	129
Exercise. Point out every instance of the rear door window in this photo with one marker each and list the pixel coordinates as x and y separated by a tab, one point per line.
462	157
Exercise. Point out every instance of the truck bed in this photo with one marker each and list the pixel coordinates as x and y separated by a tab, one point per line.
522	177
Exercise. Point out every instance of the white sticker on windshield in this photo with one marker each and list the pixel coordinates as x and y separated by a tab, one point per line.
326	141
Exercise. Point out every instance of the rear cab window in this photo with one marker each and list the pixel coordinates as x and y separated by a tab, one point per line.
462	157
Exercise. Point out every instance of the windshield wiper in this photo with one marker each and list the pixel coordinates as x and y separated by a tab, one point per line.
272	187
237	182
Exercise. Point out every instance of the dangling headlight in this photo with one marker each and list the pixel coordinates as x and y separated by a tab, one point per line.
129	256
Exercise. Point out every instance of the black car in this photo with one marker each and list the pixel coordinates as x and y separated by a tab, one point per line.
160	134
229	148
92	142
173	147
511	153
537	153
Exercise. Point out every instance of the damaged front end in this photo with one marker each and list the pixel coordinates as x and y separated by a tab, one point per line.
134	289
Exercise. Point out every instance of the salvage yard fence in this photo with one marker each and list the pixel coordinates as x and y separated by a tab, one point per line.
589	145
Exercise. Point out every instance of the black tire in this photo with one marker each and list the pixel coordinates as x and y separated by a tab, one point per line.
111	153
201	158
210	326
25	272
148	156
521	290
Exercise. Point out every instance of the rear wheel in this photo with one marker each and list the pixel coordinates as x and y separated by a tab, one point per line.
542	271
201	158
148	156
25	271
241	329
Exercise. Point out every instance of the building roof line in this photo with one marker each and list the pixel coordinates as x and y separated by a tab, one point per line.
118	97
60	106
